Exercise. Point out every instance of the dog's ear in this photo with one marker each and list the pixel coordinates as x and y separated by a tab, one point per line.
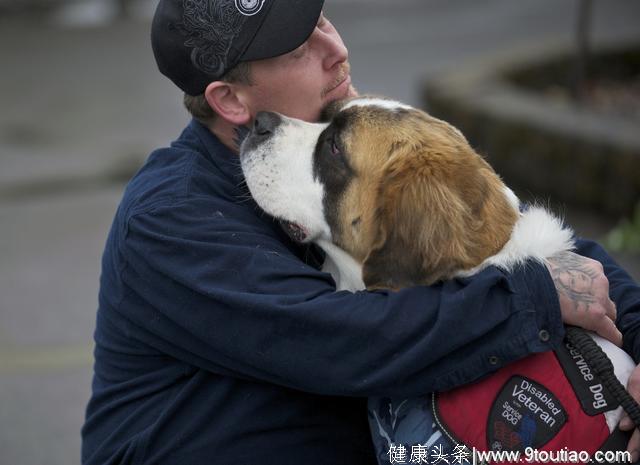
431	219
417	239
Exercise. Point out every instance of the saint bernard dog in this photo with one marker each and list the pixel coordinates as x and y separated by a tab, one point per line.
396	198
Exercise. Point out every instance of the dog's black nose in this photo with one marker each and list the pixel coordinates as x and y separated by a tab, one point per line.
266	122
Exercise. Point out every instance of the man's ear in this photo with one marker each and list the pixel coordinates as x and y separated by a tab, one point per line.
422	227
225	101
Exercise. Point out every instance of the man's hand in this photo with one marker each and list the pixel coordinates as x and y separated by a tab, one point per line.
583	290
633	386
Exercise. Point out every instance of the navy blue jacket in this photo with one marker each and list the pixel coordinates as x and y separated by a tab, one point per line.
219	341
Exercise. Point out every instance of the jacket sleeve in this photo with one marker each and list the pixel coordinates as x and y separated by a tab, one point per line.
624	292
233	299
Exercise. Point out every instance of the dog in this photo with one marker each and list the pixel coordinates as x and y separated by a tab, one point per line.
396	198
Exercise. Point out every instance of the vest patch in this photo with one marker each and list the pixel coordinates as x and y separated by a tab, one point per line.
524	414
593	396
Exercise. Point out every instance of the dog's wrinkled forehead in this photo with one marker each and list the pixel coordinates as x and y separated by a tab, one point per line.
366	102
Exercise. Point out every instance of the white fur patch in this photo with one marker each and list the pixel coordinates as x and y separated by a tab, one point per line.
623	365
279	174
512	198
376	102
345	270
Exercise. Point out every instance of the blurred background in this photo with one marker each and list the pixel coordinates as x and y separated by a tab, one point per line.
82	105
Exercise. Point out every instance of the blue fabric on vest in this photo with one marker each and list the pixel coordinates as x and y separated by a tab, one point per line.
405	423
218	340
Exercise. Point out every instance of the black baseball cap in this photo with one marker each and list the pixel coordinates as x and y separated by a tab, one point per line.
196	42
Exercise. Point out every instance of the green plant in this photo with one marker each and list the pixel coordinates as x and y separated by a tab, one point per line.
626	236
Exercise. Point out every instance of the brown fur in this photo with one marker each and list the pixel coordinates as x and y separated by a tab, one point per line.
422	204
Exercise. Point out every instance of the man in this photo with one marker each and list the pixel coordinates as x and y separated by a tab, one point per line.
218	339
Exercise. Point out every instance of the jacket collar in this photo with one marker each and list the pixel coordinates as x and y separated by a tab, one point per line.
227	161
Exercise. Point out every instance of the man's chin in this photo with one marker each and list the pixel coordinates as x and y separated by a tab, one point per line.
348	92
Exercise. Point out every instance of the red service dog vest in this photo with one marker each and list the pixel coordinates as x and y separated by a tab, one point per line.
550	401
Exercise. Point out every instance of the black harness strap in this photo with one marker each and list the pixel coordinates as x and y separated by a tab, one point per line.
603	368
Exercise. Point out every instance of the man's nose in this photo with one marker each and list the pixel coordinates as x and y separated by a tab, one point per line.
266	123
333	47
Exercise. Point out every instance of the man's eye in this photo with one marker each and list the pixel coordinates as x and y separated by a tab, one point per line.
299	52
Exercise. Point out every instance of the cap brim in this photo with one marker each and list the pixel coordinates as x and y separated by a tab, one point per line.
287	26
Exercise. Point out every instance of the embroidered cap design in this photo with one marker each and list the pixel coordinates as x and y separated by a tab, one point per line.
210	27
249	7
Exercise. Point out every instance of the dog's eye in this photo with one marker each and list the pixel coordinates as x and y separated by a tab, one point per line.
334	146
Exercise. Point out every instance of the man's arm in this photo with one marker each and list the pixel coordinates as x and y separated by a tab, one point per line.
231	297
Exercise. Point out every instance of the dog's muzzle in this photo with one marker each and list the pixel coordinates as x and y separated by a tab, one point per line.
264	127
266	123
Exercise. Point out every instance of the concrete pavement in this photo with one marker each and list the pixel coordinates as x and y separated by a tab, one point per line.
80	107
